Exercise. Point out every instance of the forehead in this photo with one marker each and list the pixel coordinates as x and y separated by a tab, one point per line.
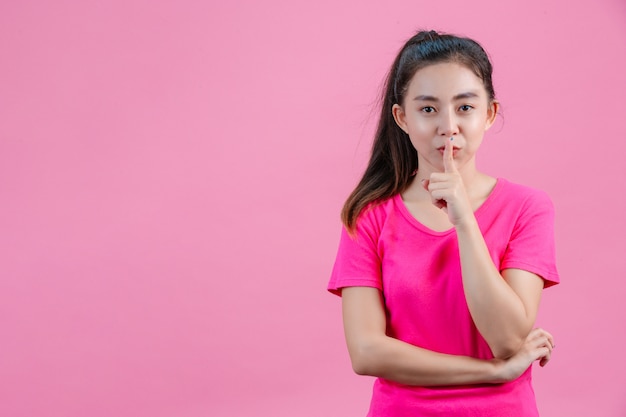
445	79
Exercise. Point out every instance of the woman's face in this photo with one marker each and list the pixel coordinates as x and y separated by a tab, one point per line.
442	101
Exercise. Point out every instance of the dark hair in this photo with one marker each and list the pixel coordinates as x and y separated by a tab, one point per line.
394	159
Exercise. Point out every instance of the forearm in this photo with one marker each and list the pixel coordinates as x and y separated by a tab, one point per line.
392	359
498	312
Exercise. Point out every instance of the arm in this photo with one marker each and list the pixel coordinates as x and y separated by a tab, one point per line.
503	307
504	310
374	353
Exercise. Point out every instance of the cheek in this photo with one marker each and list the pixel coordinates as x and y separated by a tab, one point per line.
481	121
476	124
420	126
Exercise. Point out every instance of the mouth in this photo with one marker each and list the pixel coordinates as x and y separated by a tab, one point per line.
455	150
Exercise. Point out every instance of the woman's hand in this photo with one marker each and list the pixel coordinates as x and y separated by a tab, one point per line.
537	346
447	190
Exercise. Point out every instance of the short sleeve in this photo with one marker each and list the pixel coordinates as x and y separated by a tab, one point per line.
358	262
531	246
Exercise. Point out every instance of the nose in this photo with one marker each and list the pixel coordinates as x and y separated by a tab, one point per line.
448	124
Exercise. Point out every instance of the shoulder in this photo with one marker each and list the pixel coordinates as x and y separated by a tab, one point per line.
528	214
525	207
373	220
523	195
375	214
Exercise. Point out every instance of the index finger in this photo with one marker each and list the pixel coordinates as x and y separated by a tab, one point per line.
448	157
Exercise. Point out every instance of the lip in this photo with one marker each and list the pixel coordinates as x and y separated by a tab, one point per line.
454	150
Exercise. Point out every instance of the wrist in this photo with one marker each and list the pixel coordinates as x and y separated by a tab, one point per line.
466	224
498	372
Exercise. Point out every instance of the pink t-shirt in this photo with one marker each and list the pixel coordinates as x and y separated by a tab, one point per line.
419	272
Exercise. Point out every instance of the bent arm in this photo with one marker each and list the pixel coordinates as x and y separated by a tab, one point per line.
374	353
503	307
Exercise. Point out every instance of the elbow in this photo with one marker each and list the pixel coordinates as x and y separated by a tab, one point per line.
363	359
503	352
506	349
360	367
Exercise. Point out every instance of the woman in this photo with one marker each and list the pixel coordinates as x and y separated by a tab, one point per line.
441	267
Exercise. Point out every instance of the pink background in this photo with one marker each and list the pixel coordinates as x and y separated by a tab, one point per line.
171	174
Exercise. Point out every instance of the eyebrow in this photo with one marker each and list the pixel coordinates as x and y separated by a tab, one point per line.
469	94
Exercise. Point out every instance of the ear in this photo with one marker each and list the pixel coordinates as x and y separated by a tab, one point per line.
492	113
400	117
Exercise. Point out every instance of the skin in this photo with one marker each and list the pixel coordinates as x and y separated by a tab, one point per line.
446	112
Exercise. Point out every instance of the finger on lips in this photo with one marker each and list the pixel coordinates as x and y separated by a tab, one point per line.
448	156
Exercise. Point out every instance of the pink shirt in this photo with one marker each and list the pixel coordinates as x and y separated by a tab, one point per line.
419	272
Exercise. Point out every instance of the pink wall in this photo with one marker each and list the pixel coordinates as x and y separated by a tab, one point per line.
171	174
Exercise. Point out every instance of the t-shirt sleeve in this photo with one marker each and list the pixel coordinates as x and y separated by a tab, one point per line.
358	262
532	246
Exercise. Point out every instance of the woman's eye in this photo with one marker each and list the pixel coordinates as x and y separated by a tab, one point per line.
428	109
465	108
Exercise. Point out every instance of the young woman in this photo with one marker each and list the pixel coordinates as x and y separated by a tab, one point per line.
441	267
